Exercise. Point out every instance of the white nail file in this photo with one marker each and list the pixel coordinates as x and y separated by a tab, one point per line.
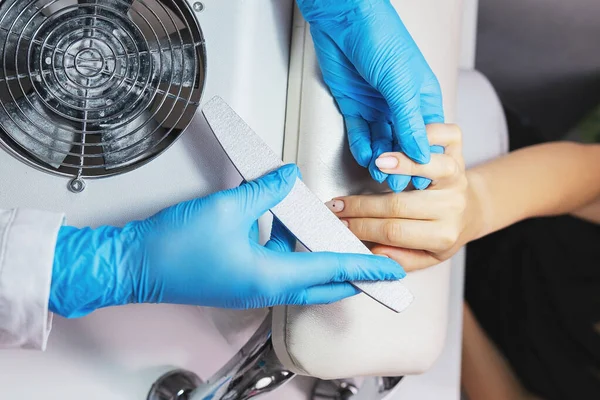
313	224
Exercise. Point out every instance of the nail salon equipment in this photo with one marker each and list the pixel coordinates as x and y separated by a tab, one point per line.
259	60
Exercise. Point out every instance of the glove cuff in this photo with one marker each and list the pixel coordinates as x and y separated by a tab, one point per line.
85	273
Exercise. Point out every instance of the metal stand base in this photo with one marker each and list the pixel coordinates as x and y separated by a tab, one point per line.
252	372
175	385
334	390
374	388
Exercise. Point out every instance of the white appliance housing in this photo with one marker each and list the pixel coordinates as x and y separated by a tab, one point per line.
117	353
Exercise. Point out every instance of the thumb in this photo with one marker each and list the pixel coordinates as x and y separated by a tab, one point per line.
409	130
256	197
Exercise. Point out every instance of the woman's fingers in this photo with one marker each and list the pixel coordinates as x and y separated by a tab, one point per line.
413	205
441	166
410	234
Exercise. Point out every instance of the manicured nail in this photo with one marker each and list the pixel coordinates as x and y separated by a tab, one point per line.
335	205
345	223
386	162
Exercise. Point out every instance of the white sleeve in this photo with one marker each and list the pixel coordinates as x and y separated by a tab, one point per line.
27	243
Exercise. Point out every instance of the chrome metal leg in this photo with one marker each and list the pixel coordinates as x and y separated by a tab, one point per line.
253	371
374	388
175	385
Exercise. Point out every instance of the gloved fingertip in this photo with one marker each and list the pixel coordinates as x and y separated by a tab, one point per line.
435	149
290	171
433	119
363	156
286	176
376	174
421	183
396	270
398	183
329	293
390	270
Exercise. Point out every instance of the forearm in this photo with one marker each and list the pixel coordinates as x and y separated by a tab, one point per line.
486	375
589	212
542	180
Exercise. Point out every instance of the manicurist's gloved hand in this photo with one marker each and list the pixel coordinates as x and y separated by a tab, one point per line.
204	252
383	86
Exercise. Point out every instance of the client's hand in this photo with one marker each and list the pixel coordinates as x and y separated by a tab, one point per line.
417	228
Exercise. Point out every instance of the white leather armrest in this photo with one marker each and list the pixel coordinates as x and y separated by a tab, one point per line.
481	118
358	336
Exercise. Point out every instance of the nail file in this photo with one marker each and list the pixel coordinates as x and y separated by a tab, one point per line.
302	212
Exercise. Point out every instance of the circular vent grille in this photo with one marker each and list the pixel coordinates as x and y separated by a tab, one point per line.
91	88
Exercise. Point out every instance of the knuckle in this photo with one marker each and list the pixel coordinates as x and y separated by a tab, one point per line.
413	168
450	167
393	232
447	238
358	227
456	133
397	207
461	203
355	204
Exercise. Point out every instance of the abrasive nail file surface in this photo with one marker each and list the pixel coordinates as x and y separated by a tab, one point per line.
302	212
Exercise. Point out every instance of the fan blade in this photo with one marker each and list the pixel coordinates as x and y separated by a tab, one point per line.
142	139
177	56
19	20
29	124
122	6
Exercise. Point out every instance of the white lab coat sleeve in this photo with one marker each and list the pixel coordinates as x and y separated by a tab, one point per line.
27	243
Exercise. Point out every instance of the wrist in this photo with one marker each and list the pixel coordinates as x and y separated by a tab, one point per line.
85	273
476	219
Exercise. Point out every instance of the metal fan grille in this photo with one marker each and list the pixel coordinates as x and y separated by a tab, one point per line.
92	88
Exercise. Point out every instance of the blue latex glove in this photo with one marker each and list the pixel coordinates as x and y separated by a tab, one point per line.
382	84
204	252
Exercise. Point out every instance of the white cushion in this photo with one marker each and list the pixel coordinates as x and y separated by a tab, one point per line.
358	336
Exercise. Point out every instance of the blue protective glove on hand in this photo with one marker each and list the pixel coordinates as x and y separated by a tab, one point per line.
382	83
204	252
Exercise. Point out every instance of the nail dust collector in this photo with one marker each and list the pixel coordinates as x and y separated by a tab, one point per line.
97	88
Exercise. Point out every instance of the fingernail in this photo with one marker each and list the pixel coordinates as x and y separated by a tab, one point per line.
345	223
335	205
386	162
